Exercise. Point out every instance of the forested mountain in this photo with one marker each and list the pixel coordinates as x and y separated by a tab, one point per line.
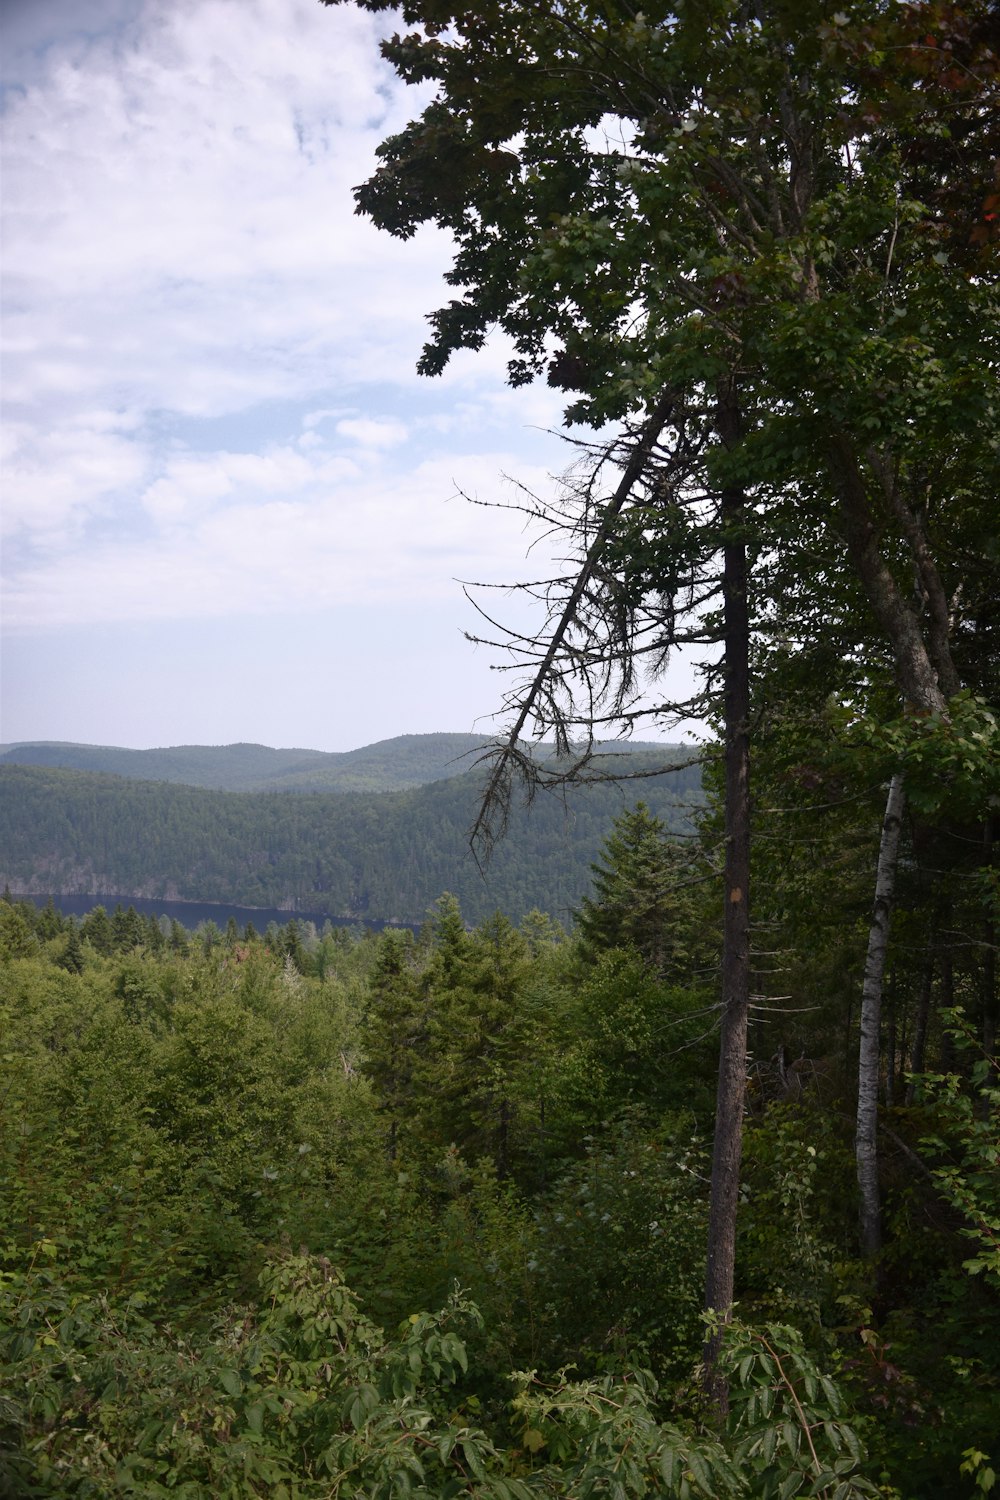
383	855
391	765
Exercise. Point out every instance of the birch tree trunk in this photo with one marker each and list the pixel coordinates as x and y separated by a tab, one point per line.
866	1138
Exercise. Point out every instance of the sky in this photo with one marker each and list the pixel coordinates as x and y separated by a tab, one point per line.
231	510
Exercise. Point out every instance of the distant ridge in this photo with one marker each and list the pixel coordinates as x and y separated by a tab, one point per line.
397	764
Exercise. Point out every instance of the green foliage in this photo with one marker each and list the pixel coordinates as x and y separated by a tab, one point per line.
641	895
967	1146
381	855
173	1125
305	1396
637	1041
617	1258
951	764
794	1250
788	1420
602	1438
17	940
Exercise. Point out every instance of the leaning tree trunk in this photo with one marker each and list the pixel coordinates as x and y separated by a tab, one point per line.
866	1139
731	1093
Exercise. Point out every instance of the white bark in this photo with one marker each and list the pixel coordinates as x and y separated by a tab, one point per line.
866	1139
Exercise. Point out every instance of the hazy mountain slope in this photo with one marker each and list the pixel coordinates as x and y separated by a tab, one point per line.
387	855
408	760
222	767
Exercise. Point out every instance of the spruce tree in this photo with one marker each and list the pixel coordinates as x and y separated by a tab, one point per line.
641	895
393	1030
97	931
49	922
72	957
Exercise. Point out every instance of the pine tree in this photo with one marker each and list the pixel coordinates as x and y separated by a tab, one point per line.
49	922
72	958
97	931
153	939
474	986
290	942
127	929
393	1030
641	895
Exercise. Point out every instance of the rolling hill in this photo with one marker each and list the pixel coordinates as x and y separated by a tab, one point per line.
386	854
408	760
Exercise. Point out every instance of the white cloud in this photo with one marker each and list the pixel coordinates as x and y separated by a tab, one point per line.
237	534
369	433
55	482
179	211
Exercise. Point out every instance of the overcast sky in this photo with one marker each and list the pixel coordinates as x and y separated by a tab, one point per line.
231	509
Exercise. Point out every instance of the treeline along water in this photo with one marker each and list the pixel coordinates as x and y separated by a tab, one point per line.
383	856
191	914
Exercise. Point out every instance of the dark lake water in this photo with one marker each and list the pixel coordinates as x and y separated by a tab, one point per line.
191	913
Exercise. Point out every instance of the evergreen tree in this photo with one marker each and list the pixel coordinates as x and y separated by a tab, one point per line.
475	987
641	895
210	935
393	1030
16	937
72	957
97	931
49	922
153	939
119	930
127	928
540	931
290	944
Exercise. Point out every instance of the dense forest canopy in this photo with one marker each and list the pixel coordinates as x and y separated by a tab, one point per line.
284	1212
374	855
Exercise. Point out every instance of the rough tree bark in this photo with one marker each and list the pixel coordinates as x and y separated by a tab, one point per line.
990	1007
866	1138
731	1091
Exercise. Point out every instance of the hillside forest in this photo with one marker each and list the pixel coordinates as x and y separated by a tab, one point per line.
324	1213
86	819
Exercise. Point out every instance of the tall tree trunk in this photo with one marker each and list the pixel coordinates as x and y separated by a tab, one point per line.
890	1050
990	998
866	1138
923	1016
947	1003
990	1007
731	1093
